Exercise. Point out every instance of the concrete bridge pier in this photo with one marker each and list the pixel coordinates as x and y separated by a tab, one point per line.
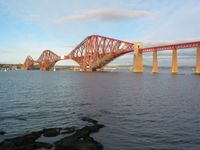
197	70
155	62
101	69
138	59
174	68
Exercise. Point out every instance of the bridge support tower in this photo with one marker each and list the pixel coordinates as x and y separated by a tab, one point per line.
174	68
101	69
155	62
138	58
197	70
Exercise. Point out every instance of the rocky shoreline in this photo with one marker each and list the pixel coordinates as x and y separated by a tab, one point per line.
74	139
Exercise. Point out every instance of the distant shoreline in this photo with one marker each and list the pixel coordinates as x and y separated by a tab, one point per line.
18	67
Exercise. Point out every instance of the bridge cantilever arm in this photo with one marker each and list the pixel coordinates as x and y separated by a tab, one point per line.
172	46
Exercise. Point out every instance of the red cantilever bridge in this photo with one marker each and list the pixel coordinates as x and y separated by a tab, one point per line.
95	51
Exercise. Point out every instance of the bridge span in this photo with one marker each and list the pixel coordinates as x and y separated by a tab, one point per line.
95	51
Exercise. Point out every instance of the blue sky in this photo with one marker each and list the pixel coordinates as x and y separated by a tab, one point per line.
27	27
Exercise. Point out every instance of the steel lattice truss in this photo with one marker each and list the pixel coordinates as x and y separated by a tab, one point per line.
172	46
47	60
28	64
96	51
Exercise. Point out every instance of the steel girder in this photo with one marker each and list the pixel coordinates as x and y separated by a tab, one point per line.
96	51
28	64
172	46
47	60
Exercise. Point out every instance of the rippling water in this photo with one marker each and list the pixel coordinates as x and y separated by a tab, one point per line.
140	111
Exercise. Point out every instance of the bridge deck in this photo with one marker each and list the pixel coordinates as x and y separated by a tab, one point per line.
172	46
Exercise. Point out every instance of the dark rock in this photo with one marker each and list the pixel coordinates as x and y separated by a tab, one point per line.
85	143
81	140
9	145
87	130
68	130
37	145
43	145
26	139
50	132
89	120
25	142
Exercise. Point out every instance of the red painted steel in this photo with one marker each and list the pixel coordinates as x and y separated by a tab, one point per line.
47	60
172	46
96	51
28	64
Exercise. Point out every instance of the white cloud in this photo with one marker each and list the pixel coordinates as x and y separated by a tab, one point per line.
105	15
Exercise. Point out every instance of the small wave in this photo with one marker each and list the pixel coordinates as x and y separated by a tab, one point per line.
13	117
85	104
106	112
141	114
